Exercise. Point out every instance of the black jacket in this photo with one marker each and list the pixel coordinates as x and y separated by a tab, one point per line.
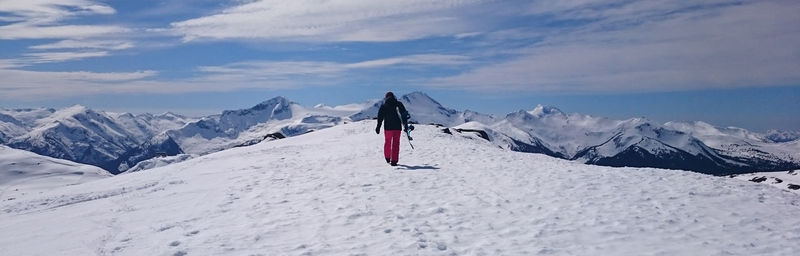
388	112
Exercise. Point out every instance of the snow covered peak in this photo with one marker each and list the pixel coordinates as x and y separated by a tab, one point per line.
70	112
277	101
170	116
520	115
541	111
275	108
421	99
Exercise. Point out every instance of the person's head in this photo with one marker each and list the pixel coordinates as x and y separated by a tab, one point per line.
389	95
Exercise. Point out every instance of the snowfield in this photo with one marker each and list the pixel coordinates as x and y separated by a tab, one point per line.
25	174
789	180
330	192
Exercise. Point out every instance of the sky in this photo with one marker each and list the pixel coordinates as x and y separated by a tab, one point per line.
729	63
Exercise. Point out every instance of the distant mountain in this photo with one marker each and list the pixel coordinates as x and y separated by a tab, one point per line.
24	173
426	110
16	122
782	136
83	135
118	141
247	126
638	142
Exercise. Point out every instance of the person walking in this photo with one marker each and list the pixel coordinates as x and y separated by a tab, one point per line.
396	117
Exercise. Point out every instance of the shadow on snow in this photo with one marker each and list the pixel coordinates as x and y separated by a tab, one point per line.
418	167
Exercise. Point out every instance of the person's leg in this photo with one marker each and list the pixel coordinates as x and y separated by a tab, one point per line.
395	146
387	145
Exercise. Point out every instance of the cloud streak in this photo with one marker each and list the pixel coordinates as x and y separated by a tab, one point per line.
47	19
85	44
644	46
333	21
24	84
42	19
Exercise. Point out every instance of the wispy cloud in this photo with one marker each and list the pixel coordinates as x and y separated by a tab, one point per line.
46	57
41	19
302	72
85	44
24	84
21	84
320	21
652	46
37	31
51	19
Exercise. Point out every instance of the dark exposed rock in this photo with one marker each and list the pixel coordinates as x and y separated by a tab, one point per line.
276	136
758	179
480	133
447	130
160	146
268	137
793	186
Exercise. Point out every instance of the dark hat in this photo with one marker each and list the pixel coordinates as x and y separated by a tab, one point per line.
389	95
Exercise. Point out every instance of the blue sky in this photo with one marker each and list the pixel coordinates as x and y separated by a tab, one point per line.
730	63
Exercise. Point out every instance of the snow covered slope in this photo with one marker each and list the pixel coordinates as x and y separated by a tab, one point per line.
789	180
329	192
24	174
159	162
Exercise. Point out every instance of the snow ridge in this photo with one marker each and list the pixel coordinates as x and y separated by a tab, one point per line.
330	193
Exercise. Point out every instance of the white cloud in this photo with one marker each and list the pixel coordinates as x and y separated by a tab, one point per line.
45	19
302	71
46	78
40	19
337	20
25	84
45	57
654	46
85	44
48	11
418	59
33	31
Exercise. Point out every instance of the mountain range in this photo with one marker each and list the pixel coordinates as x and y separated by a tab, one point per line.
116	142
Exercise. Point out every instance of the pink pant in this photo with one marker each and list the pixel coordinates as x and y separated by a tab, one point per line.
391	146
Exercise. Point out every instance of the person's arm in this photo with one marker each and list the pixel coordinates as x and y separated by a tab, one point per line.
380	120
